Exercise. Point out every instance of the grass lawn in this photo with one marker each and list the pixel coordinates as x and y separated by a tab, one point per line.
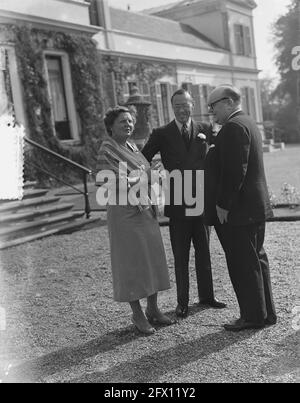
283	167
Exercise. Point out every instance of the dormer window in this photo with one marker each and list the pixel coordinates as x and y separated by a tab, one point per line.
243	41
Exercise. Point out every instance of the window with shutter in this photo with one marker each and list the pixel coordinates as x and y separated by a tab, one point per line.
245	100
248	102
174	88
58	97
93	11
145	91
63	111
125	90
239	43
204	93
165	102
253	113
157	103
247	41
170	91
196	93
6	97
243	42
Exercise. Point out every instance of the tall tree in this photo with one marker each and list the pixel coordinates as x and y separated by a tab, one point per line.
286	33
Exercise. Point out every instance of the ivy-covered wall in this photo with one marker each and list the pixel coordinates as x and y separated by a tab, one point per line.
30	44
98	83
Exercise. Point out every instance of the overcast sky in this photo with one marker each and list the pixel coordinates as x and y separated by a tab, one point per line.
264	15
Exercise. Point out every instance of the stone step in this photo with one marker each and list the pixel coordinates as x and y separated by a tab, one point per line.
34	193
269	142
27	203
268	148
28	194
78	224
21	230
279	146
29	185
34	213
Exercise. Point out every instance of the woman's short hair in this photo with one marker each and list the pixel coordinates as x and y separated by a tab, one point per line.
113	113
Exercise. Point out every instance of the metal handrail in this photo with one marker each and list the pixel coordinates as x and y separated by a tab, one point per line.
86	172
67	160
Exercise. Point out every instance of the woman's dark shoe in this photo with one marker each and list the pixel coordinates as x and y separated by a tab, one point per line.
143	328
159	319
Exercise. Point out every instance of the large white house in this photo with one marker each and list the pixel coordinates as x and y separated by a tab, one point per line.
204	42
210	42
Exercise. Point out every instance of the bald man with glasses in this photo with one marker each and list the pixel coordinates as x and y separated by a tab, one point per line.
237	204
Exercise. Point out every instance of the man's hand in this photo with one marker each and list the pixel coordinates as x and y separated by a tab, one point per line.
222	215
157	165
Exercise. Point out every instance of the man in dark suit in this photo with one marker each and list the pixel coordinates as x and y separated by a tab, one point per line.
238	205
183	147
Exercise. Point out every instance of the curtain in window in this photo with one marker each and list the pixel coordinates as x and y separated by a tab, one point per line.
57	90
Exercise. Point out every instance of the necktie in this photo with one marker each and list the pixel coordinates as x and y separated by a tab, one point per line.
185	135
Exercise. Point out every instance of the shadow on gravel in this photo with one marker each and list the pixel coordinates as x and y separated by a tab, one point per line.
145	369
288	361
153	366
49	364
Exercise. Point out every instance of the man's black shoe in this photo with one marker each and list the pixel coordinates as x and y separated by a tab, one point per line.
241	324
182	311
271	321
214	303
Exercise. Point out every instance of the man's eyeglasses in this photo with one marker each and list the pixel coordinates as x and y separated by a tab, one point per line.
212	105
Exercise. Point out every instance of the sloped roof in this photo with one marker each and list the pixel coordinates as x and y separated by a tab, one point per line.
173	5
159	29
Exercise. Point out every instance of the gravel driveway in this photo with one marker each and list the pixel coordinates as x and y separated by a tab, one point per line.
63	326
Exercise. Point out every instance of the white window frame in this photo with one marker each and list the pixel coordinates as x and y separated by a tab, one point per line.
16	86
168	100
70	100
126	85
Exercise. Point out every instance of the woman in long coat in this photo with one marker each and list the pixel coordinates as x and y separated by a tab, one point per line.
138	259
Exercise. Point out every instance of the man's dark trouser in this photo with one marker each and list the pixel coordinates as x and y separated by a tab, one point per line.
183	231
248	268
